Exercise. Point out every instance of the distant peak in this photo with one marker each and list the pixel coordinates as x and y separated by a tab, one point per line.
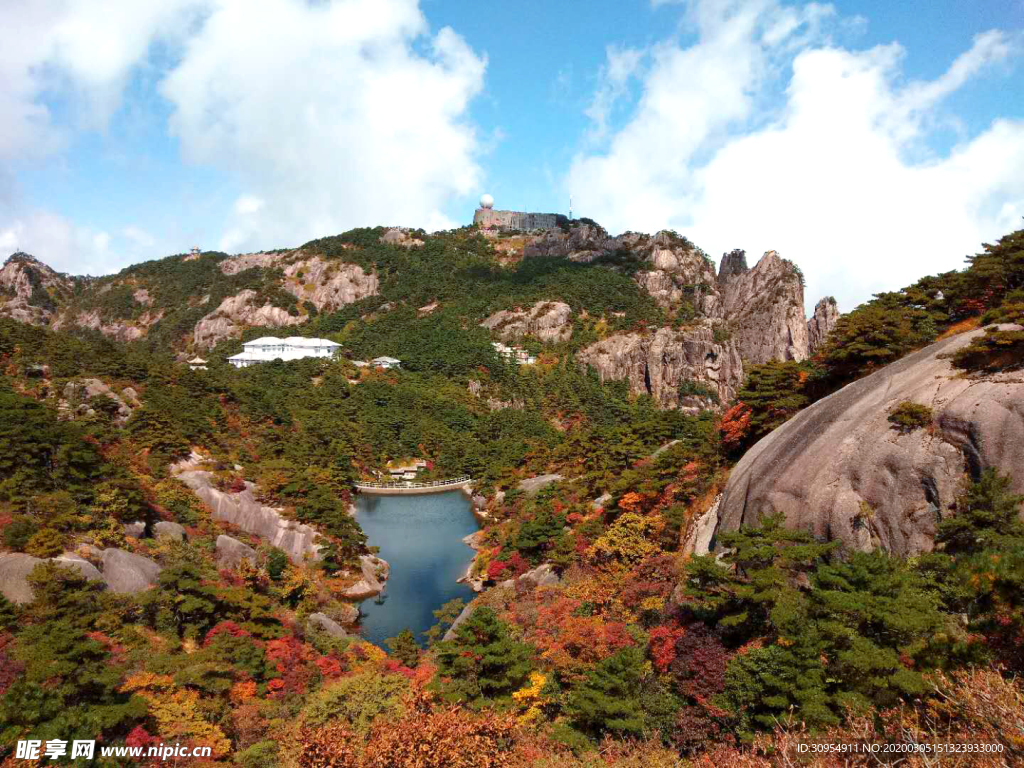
733	263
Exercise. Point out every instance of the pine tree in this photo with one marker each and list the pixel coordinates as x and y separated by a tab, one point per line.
609	699
405	648
483	662
987	515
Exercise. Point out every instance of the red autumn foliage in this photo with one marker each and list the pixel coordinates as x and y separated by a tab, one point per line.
663	645
224	628
735	425
330	667
291	659
699	666
140	737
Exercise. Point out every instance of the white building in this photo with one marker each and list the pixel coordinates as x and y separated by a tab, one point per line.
197	363
387	362
516	355
269	348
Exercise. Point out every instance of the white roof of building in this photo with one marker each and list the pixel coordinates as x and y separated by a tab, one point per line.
386	359
197	359
291	341
244	356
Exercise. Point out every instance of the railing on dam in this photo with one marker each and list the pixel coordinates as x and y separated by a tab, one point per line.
409	484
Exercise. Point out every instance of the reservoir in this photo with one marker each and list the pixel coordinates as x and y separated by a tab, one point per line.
421	538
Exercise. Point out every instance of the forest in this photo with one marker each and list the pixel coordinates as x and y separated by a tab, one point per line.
641	655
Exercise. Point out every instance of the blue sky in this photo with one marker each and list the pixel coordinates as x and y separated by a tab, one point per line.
836	133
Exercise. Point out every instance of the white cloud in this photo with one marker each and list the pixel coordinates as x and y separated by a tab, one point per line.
59	242
333	115
78	50
138	236
330	114
833	169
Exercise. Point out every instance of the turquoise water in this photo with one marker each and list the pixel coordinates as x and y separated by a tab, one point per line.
421	537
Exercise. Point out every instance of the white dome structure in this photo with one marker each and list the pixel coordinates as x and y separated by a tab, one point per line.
486	201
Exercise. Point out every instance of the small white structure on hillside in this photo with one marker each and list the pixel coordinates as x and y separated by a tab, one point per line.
197	363
386	362
516	355
269	348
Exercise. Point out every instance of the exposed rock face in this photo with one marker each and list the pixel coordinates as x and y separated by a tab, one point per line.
400	236
582	243
80	564
824	319
764	307
702	530
548	321
241	509
78	396
839	470
168	530
660	363
374	573
320	621
14	571
128	574
29	288
676	272
329	285
231	552
16	566
135	530
117	329
543	575
532	485
235	313
459	620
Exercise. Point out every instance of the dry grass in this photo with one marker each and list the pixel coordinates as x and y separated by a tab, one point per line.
970	324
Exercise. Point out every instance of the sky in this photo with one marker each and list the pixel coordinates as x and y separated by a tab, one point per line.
870	142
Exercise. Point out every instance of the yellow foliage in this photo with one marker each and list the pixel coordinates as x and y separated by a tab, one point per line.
530	699
176	712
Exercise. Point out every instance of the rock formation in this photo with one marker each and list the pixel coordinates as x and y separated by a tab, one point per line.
231	552
840	470
582	243
235	313
764	307
29	289
168	530
323	623
128	574
675	271
297	540
824	319
78	396
374	573
547	321
16	566
684	368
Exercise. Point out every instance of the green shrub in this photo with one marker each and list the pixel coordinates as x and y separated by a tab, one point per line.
357	700
992	352
908	416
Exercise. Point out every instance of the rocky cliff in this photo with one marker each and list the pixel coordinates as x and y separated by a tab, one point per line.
547	321
684	369
824	319
297	540
841	470
30	290
764	307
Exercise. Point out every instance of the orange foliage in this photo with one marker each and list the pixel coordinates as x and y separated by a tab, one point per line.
328	747
449	737
970	324
573	643
242	691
